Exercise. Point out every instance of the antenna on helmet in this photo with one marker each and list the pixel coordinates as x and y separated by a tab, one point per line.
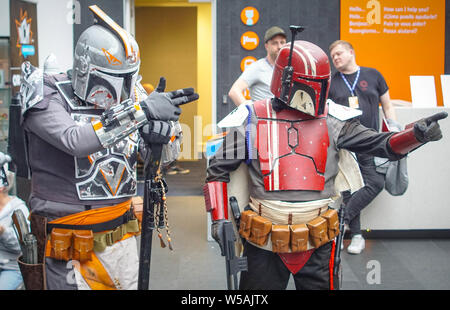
104	20
289	70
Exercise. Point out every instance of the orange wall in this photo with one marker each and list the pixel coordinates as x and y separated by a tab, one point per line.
394	47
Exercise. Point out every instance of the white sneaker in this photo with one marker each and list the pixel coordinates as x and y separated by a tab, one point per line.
357	245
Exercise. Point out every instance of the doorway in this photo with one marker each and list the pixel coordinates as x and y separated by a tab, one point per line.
167	39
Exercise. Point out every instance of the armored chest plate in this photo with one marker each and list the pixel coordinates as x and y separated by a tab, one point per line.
110	173
292	149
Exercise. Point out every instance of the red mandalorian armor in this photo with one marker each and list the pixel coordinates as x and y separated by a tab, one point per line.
292	148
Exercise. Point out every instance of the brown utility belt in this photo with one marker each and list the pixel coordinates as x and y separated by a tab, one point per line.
289	238
72	244
77	236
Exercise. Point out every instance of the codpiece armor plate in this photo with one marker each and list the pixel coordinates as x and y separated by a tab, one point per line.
292	148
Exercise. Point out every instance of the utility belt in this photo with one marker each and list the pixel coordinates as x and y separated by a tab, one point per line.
300	232
77	236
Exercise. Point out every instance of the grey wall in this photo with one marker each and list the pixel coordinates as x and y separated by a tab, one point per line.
321	17
425	203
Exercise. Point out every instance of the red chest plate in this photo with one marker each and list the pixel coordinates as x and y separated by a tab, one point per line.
292	149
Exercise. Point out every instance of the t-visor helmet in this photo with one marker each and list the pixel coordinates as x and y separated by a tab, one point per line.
301	77
106	63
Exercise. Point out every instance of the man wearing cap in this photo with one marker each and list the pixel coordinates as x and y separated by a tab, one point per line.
258	75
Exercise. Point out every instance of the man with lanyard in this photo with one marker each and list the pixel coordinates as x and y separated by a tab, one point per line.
361	88
257	76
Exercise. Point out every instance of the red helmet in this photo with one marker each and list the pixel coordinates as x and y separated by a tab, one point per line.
303	86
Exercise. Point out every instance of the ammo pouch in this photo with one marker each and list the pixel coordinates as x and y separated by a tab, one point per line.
68	244
331	216
61	244
280	238
318	232
299	237
260	229
246	222
83	245
254	228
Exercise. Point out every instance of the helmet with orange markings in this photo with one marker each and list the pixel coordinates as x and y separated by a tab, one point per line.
106	63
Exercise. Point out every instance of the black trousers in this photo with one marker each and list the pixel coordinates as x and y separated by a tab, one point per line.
354	204
266	270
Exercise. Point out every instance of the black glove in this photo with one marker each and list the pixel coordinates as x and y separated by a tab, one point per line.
217	234
428	129
164	106
155	132
161	85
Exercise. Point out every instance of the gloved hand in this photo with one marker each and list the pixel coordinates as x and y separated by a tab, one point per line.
164	106
217	231
155	132
428	129
161	85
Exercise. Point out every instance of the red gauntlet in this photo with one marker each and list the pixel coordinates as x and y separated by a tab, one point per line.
404	141
216	200
415	134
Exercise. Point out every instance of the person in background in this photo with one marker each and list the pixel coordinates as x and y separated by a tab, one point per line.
257	76
10	276
361	88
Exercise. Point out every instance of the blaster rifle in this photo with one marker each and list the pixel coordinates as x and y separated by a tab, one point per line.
153	195
337	270
155	189
233	264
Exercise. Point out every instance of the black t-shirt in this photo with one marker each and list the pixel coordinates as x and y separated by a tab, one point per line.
369	88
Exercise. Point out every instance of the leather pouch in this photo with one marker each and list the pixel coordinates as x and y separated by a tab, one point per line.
246	223
61	241
280	238
83	245
331	216
318	232
299	237
33	275
260	229
38	226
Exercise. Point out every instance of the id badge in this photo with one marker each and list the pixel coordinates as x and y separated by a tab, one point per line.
353	102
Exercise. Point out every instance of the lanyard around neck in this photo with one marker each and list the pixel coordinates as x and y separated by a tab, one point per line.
351	88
